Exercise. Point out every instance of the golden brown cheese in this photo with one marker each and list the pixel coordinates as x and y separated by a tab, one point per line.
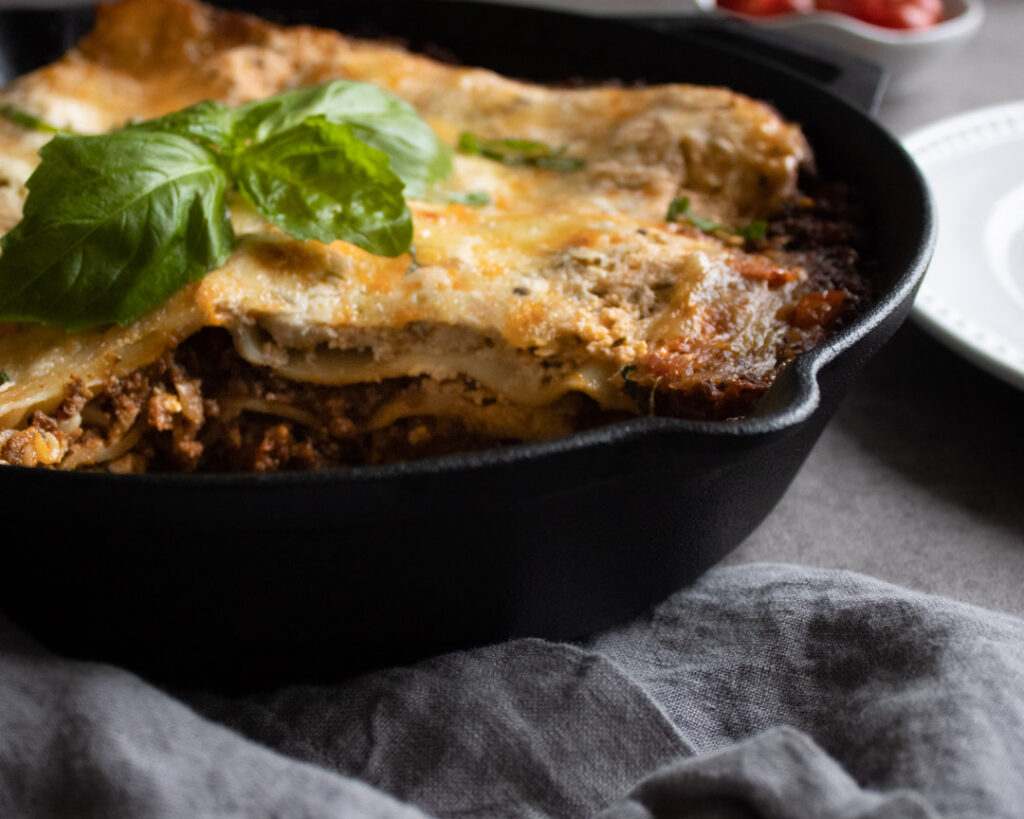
576	270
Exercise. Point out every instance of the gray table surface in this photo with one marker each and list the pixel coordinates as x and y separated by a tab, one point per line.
918	479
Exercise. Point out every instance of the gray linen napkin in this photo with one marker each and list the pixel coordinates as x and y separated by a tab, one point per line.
761	691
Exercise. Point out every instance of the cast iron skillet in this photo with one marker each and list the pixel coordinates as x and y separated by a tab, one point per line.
247	579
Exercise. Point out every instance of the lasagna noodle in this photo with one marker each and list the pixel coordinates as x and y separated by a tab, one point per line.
559	285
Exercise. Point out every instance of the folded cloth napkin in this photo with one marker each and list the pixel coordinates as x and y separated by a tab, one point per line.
761	691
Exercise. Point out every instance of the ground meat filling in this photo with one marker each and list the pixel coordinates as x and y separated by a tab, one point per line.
202	407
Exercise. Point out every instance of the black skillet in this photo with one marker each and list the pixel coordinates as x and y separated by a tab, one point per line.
247	579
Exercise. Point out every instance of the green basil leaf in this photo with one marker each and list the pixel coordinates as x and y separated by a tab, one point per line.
113	225
471	198
4	377
755	231
208	123
377	117
680	209
26	120
316	180
520	152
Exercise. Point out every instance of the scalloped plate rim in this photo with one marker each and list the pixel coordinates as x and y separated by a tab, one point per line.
935	308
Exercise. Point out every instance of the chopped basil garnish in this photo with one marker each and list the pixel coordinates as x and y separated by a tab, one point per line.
4	377
630	387
679	210
520	152
27	120
115	224
755	230
472	198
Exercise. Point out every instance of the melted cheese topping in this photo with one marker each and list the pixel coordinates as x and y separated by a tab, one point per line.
560	282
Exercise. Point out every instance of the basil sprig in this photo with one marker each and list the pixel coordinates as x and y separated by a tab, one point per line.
520	152
115	224
680	209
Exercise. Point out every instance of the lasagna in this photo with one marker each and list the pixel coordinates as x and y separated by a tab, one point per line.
561	300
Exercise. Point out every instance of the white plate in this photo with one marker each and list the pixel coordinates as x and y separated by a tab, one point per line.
973	295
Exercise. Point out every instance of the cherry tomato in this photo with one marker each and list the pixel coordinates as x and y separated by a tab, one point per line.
888	13
764	8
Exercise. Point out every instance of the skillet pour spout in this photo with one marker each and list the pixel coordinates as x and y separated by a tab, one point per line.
241	581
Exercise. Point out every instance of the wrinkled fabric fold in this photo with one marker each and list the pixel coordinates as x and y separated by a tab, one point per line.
523	729
761	691
86	741
780	774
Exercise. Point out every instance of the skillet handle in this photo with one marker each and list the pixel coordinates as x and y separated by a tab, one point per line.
856	80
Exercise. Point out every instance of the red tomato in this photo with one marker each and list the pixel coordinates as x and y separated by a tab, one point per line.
888	13
764	8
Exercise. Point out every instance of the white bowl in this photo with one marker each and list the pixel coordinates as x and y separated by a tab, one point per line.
905	54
